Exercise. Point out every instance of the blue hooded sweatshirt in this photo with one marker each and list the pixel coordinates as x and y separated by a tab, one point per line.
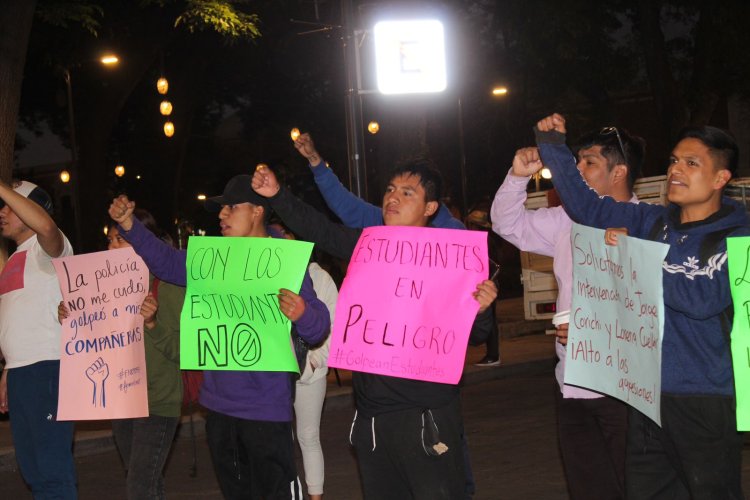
696	355
356	212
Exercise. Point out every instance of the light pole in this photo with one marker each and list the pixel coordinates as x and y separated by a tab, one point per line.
107	60
73	156
462	158
353	104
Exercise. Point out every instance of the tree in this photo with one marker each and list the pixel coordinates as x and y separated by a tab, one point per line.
142	30
15	18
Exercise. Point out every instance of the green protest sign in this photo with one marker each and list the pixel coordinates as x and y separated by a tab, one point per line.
231	318
738	251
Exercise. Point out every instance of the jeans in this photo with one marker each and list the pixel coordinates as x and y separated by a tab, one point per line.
144	445
696	454
592	435
253	459
44	446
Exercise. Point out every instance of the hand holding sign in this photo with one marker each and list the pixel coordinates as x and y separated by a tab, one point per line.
62	312
611	234
291	304
486	293
148	311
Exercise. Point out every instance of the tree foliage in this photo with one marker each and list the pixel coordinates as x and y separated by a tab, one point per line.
221	16
68	13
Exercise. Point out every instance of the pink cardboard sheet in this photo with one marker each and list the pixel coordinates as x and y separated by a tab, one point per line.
406	307
102	356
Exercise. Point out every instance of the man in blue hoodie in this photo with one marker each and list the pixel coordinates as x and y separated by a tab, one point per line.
352	210
696	453
249	420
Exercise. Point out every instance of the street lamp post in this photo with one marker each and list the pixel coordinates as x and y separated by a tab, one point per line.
462	158
107	60
73	157
353	104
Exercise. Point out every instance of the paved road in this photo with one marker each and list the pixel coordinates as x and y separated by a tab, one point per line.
510	425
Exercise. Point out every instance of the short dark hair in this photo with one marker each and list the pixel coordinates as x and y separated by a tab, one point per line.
721	145
429	176
634	148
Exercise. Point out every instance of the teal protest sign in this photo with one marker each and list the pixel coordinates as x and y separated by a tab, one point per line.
617	318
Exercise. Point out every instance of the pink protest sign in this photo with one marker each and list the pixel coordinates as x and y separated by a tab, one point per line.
102	357
406	307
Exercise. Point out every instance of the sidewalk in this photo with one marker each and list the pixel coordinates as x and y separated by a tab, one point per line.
524	349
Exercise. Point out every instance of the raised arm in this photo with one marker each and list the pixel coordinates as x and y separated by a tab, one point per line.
528	230
36	218
304	220
352	210
582	203
164	261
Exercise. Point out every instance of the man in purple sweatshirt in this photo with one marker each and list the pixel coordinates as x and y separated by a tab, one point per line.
248	425
592	428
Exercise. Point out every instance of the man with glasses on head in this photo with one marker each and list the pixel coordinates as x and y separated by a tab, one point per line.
697	451
592	428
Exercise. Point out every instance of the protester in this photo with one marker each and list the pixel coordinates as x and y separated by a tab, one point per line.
355	212
248	423
696	452
352	210
30	341
144	442
394	415
592	428
311	385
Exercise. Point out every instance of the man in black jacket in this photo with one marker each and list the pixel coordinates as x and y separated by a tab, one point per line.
395	416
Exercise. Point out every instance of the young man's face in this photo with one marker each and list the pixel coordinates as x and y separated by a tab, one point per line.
693	177
404	202
11	226
242	219
595	169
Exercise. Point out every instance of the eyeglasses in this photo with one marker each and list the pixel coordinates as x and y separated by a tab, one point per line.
613	130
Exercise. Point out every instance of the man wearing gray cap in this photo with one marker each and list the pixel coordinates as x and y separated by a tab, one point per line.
30	341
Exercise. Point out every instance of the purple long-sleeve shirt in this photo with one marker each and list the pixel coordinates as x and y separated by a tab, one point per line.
243	394
544	231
